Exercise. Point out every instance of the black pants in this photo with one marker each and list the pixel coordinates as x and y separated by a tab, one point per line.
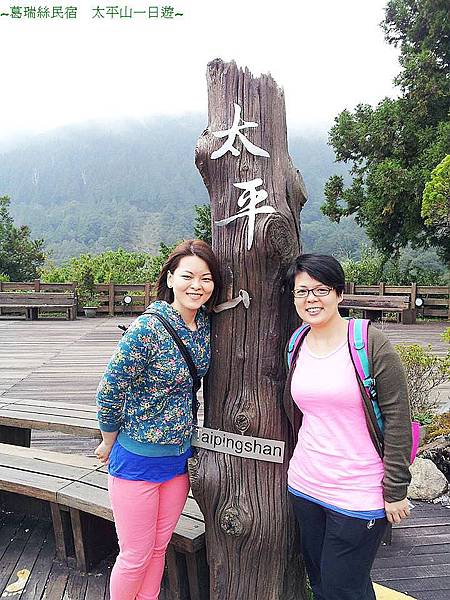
338	551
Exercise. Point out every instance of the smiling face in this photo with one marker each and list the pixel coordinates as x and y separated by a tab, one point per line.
316	310
192	284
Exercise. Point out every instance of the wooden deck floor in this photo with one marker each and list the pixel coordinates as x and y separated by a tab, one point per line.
418	561
28	543
64	360
61	361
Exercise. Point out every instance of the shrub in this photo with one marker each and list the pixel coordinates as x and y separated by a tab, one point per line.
439	426
404	269
119	266
424	372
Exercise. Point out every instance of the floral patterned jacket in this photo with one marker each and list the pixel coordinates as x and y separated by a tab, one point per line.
146	391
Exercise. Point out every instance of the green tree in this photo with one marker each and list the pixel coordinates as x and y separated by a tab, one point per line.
202	223
119	266
20	256
373	267
393	148
436	199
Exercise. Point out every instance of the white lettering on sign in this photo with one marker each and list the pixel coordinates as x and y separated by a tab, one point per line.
247	202
232	133
238	445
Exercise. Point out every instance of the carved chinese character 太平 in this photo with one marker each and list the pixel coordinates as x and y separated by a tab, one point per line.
248	201
235	130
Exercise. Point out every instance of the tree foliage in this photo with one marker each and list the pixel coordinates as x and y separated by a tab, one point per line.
425	371
436	198
409	266
202	223
393	148
20	256
119	266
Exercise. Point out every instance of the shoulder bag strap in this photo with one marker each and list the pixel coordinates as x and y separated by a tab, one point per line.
196	382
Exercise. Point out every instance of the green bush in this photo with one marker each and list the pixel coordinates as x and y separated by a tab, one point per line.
118	266
4	277
406	268
439	426
424	372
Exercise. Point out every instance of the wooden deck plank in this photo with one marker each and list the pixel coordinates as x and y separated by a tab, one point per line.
418	561
56	583
41	570
72	460
85	427
76	586
96	586
30	553
15	549
10	523
44	405
29	464
35	550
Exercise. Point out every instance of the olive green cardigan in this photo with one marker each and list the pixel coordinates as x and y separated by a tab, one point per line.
392	393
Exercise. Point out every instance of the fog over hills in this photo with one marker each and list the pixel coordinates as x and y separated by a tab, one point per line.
134	184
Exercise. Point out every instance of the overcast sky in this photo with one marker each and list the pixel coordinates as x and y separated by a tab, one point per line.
327	54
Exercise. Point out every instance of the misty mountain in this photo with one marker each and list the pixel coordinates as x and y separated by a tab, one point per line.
134	184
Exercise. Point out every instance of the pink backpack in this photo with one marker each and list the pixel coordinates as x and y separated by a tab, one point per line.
358	345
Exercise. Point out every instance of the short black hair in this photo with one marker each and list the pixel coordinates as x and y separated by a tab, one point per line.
322	267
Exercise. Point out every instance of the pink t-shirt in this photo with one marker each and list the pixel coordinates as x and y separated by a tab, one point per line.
334	460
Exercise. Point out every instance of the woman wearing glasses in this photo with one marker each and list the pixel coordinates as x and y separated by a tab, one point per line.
342	487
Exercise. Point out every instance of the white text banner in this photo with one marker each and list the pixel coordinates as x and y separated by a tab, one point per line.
238	445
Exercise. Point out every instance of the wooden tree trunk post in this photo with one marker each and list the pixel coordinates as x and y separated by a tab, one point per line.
250	529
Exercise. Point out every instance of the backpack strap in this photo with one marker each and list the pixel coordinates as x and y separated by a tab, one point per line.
295	342
359	352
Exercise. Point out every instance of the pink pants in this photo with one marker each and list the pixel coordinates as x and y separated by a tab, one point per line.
145	516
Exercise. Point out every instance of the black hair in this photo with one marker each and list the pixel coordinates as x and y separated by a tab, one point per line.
322	267
189	248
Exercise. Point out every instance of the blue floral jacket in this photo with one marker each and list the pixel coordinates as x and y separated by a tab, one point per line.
146	391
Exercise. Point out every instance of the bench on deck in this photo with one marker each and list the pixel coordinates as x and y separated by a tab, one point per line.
18	416
76	489
35	301
373	306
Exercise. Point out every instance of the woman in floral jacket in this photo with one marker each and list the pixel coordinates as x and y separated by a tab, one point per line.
145	415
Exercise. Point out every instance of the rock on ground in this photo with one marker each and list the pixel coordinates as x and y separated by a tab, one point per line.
427	483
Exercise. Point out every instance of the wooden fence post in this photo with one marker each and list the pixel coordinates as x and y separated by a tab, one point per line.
382	288
37	285
111	299
147	294
448	300
413	295
250	528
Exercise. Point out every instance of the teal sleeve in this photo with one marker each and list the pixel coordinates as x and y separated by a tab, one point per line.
130	358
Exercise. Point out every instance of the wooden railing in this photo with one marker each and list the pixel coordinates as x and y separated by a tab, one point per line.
436	299
110	295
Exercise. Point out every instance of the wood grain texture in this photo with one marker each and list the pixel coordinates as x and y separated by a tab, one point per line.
239	497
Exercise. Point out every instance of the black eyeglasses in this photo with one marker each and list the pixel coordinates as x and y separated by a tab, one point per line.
317	291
